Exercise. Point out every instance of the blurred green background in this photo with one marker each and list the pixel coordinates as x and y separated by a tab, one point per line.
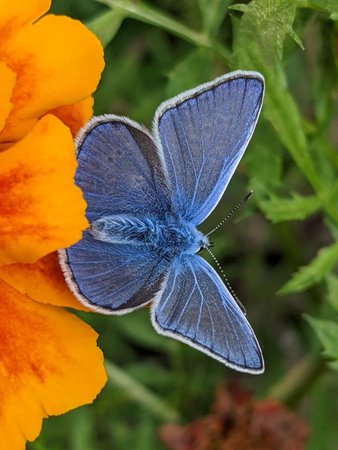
279	252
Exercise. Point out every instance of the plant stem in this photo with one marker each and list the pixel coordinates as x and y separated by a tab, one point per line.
292	387
139	393
152	16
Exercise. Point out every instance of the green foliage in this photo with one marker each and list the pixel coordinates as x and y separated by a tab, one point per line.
258	44
328	6
145	13
154	50
313	272
265	178
268	22
106	25
327	331
137	392
213	13
193	70
323	415
295	208
332	286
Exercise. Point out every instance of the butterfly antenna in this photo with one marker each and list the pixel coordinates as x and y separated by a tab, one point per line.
228	285
241	203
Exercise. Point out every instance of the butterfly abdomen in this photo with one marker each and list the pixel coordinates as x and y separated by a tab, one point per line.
169	237
121	229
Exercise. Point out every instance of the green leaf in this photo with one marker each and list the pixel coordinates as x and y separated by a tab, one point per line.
314	272
139	393
264	26
106	25
322	416
295	208
148	14
285	117
293	35
334	365
265	177
325	73
325	158
327	6
137	328
213	13
327	332
191	71
332	286
258	45
82	432
150	373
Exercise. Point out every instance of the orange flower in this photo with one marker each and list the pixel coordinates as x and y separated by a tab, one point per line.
49	361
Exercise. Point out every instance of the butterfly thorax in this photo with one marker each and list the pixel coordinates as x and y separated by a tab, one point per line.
170	236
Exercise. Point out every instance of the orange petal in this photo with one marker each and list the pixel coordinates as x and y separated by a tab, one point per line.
42	281
49	364
40	207
75	116
58	62
16	13
7	77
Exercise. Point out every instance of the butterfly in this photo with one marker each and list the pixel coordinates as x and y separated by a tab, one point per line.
146	194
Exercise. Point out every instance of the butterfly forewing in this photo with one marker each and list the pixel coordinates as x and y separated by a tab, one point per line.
203	134
119	170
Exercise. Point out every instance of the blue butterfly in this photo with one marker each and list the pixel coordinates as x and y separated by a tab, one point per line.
146	194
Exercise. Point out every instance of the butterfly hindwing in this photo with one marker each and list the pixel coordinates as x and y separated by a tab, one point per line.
203	134
195	307
112	278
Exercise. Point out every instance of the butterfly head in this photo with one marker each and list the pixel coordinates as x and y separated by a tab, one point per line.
201	242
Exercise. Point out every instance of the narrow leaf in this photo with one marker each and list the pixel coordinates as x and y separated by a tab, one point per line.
314	272
327	6
295	208
327	332
153	16
82	431
332	286
264	178
334	365
106	25
296	38
258	45
213	13
190	72
137	329
284	115
139	393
